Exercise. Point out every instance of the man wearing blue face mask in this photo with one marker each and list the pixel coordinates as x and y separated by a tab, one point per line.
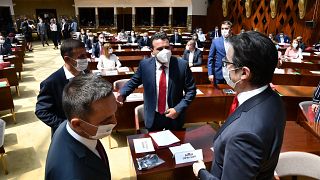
248	144
49	106
164	79
76	151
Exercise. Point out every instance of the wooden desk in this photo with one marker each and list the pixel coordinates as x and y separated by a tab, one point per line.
120	75
296	138
11	75
200	138
6	98
305	64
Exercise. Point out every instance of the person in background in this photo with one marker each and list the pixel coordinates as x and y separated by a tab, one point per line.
54	33
42	32
49	101
201	36
217	52
192	54
65	29
5	47
271	36
282	38
121	35
197	41
75	151
12	39
83	36
302	46
242	31
74	26
108	60
315	104
144	41
215	34
132	38
27	32
176	37
90	41
293	51
97	48
248	144
170	87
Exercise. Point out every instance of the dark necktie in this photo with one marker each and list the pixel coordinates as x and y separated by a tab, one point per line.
234	105
1	46
162	91
217	35
101	152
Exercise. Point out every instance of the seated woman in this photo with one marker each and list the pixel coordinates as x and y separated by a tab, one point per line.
108	61
132	38
293	51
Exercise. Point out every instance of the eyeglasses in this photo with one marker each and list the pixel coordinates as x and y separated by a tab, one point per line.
225	62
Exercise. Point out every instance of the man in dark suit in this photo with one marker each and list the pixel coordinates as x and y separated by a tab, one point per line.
282	38
49	105
164	79
217	53
12	39
192	54
248	144
176	37
144	41
65	29
42	30
97	48
5	47
76	151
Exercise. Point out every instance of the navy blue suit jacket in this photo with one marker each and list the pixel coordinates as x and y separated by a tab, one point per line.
69	159
217	52
142	42
6	49
180	79
248	144
197	57
173	37
285	38
49	105
96	49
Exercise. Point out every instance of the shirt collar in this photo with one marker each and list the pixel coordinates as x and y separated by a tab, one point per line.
242	97
89	143
68	74
158	65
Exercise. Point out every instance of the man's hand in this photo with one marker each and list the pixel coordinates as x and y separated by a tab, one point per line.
190	64
197	166
211	78
171	113
119	98
314	107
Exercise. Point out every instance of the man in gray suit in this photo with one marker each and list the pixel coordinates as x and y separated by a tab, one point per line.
42	32
248	144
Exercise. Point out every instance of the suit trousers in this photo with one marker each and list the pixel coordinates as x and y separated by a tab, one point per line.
161	122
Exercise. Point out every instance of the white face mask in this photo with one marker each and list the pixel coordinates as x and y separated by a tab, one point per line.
294	45
225	33
110	51
164	56
102	130
82	64
281	36
2	41
226	76
101	40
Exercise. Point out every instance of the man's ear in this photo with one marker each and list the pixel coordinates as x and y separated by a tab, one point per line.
246	73
75	123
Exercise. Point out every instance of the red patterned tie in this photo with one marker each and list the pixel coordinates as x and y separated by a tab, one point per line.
101	152
234	105
162	91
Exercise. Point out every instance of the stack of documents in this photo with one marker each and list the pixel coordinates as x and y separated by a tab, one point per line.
164	138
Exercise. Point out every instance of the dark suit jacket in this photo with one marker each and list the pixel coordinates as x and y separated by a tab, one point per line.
180	79
197	57
179	39
142	43
49	104
130	39
199	43
14	41
6	49
69	159
96	49
89	44
247	146
217	52
285	37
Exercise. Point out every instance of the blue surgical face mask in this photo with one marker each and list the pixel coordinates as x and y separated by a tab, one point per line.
226	76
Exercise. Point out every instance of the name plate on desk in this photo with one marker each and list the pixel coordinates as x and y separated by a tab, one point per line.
189	156
196	69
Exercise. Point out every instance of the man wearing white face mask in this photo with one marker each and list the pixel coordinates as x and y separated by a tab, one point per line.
5	48
76	151
49	106
97	48
248	144
217	53
164	78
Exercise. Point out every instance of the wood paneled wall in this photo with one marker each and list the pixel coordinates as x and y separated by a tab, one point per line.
286	20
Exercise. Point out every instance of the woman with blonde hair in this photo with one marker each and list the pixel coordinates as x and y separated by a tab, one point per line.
293	51
108	60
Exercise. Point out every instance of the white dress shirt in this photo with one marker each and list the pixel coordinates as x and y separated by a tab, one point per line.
191	55
242	97
53	27
68	74
158	74
89	143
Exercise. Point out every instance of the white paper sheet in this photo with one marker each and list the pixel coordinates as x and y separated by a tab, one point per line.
315	72
111	73
143	145
199	92
305	54
196	69
123	69
164	138
134	97
278	71
181	148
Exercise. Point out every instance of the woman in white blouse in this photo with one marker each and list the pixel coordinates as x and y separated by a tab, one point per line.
108	60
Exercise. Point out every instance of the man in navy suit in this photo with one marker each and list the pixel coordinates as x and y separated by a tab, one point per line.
282	38
192	54
248	144
5	46
217	53
176	37
49	105
165	79
97	48
144	41
76	151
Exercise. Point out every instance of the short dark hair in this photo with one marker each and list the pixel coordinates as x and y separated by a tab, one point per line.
227	23
159	35
81	92
257	52
68	45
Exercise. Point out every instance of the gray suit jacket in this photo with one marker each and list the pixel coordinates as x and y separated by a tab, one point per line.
42	28
247	146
